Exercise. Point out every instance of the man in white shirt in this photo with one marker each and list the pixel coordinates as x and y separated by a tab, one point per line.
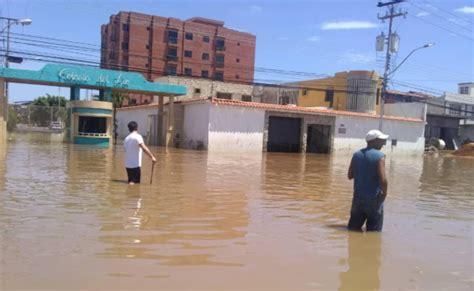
133	145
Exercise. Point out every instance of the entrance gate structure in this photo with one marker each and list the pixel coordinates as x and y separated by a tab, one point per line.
90	122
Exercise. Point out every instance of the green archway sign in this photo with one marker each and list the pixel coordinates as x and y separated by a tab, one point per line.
91	78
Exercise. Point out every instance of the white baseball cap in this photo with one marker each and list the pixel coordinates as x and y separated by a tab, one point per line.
375	134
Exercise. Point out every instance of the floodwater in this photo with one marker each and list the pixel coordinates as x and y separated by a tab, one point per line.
226	222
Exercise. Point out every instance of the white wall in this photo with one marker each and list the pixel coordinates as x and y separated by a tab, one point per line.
409	135
466	131
409	110
137	114
236	129
196	125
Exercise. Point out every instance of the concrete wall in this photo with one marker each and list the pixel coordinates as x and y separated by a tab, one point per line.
408	110
137	114
466	131
196	126
208	88
350	134
236	129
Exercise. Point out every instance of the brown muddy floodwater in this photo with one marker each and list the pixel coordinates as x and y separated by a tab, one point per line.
226	222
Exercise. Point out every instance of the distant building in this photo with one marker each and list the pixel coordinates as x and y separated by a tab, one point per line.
448	117
466	88
157	46
352	91
393	96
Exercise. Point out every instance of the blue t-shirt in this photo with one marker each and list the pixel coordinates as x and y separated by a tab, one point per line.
366	179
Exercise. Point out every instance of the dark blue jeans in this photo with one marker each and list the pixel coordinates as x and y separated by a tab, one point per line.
368	210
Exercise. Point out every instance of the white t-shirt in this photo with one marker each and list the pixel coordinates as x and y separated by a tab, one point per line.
133	151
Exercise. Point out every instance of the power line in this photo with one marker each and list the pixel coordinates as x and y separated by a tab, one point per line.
442	18
248	82
258	69
448	12
443	28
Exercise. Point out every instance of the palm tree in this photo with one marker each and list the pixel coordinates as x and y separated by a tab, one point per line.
117	101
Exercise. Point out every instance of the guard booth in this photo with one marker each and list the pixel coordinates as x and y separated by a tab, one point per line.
88	122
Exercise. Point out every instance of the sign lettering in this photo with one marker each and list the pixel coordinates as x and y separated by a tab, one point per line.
102	80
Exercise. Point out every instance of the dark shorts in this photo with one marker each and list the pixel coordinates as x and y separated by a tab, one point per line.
367	210
134	175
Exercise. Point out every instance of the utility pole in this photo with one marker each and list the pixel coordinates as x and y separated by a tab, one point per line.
392	47
10	22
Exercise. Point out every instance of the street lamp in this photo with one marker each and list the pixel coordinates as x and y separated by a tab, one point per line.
10	22
388	74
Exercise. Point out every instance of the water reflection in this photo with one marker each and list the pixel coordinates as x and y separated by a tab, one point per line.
194	206
363	262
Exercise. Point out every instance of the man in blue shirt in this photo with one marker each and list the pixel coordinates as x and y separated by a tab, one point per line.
370	183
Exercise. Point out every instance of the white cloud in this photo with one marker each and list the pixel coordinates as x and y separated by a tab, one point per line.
338	25
466	10
282	38
313	38
255	9
422	14
352	57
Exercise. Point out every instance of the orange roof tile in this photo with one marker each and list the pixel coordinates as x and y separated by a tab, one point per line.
282	108
299	109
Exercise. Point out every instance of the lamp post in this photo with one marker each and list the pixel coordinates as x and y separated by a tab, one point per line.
10	22
386	76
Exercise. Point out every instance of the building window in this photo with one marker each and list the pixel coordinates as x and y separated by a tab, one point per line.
205	38
188	54
148	28
125	45
112	55
172	54
147	65
220	44
238	44
170	70
237	60
377	97
125	27
329	97
455	109
188	36
205	74
147	47
246	98
284	100
221	95
220	61
188	71
197	90
237	76
172	36
113	35
464	90
219	76
205	56
305	92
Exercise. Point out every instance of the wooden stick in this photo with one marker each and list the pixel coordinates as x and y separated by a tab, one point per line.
152	167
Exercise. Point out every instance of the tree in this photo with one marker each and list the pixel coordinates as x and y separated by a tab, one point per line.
12	119
45	109
117	101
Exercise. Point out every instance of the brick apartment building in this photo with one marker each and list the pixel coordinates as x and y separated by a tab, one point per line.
157	46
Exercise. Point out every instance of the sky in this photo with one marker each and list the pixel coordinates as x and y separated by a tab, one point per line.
318	36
